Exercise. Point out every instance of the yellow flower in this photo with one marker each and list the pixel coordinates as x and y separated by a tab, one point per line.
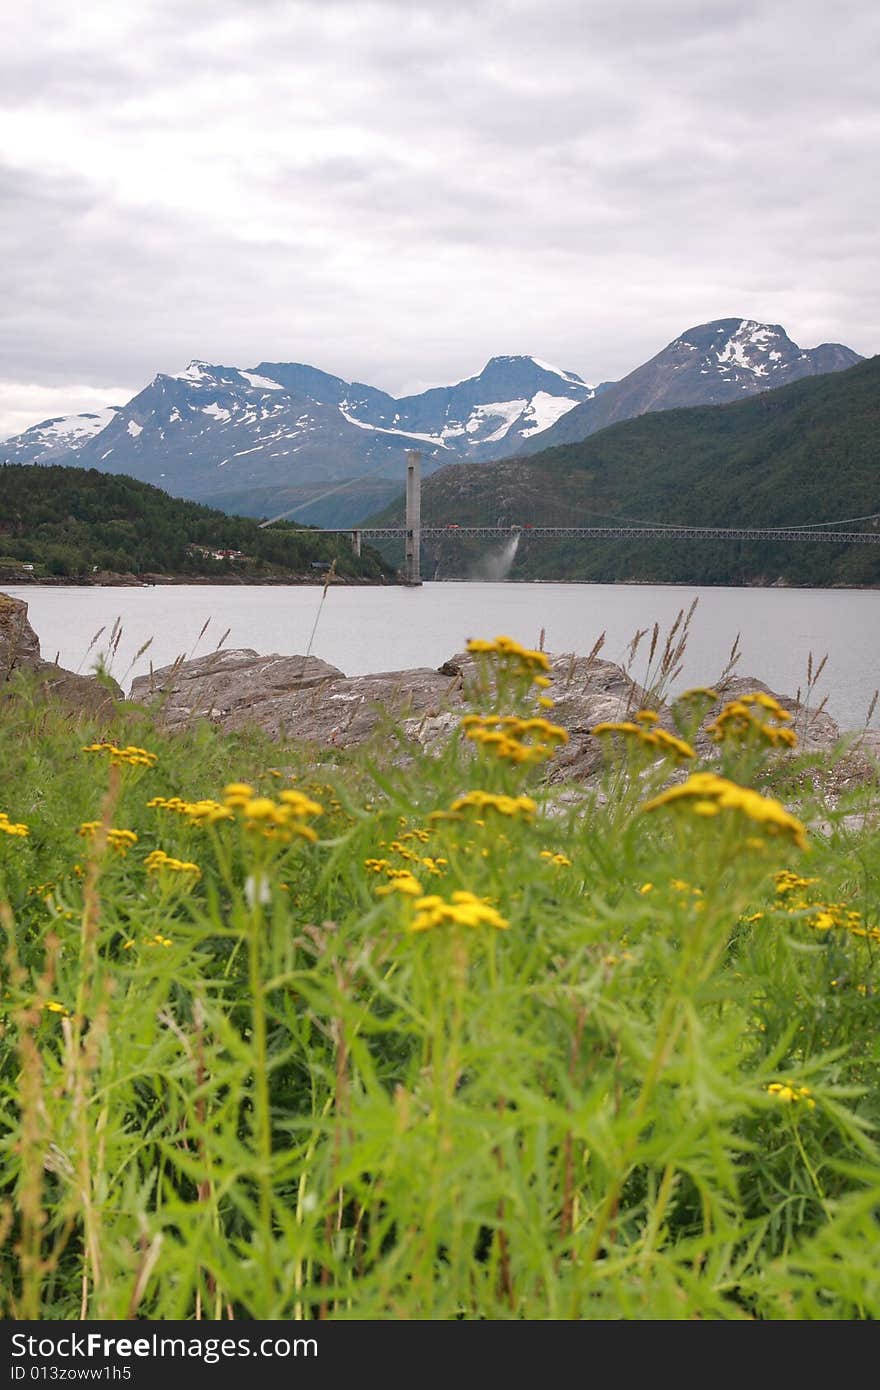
282	820
299	805
512	738
376	866
510	652
651	737
402	882
52	1006
790	1094
131	754
738	720
561	861
158	860
787	882
512	806
237	794
647	888
8	827
120	841
464	909
708	795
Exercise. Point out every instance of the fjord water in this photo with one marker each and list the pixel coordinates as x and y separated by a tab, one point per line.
362	629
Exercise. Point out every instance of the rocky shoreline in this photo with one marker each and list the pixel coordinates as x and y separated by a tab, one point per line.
110	580
305	699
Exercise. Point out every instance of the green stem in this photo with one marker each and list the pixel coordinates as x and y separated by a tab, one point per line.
262	1113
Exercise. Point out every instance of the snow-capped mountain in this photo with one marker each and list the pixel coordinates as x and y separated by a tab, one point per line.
286	437
714	363
212	432
512	398
50	440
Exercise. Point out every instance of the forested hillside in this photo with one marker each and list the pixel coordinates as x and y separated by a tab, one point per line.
72	522
805	453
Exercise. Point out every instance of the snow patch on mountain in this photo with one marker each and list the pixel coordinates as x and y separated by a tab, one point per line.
194	372
557	371
400	434
81	427
261	383
544	411
55	437
508	412
217	412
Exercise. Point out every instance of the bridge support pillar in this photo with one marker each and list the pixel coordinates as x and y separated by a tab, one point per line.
356	542
412	572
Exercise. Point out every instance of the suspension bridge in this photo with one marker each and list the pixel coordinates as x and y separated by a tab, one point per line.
413	532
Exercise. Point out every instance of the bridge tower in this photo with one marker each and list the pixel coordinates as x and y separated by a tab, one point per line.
412	574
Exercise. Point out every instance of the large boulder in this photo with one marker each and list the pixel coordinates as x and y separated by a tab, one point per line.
19	644
302	697
233	688
20	651
814	728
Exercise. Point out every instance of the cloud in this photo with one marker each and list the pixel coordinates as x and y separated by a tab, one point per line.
397	191
23	404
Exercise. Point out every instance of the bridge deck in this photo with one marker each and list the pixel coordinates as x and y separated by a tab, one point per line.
694	533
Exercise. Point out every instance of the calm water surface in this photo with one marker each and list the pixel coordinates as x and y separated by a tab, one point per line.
362	629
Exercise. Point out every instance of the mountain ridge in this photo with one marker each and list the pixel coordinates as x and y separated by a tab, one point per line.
801	455
287	432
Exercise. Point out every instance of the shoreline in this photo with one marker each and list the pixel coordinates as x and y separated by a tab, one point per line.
109	580
157	581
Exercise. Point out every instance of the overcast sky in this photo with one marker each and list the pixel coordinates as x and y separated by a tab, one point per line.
396	191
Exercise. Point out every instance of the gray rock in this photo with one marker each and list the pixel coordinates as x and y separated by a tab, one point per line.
19	644
20	651
308	699
814	728
234	688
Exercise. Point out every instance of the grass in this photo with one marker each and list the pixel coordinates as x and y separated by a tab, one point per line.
536	1054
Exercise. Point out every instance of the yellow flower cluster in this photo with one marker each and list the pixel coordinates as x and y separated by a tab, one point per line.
204	812
510	653
377	866
405	850
789	1094
514	739
741	718
130	755
561	861
463	909
282	819
690	896
407	847
53	1006
400	881
698	692
157	940
788	882
517	807
822	916
8	827
831	916
708	795
120	841
643	731
157	861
